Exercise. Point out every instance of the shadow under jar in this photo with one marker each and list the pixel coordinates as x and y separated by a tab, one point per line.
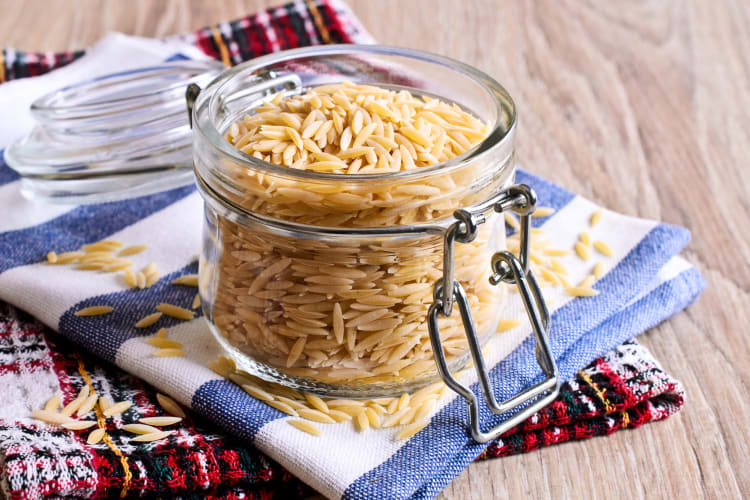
323	281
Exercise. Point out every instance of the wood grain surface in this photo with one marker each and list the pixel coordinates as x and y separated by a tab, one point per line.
643	106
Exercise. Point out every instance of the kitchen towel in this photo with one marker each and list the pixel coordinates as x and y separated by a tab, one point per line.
623	389
644	283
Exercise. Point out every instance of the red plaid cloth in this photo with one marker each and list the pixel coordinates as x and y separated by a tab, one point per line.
625	388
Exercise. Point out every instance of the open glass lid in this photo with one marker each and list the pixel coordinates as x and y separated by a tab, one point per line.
112	137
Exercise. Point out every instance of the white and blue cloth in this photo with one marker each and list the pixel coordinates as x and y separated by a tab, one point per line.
645	283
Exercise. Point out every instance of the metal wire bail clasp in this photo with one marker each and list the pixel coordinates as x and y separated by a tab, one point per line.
506	268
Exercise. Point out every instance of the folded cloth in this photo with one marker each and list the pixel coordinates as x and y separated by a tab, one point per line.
625	388
644	283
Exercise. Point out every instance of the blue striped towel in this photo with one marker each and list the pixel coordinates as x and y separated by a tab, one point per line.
645	283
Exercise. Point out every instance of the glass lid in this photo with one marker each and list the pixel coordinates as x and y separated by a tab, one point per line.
111	137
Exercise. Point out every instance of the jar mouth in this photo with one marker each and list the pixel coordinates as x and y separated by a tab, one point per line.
211	97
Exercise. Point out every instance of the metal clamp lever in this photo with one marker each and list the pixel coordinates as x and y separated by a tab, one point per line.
508	268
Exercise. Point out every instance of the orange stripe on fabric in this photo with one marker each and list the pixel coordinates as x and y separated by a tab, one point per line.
2	66
625	419
223	50
101	423
608	406
319	21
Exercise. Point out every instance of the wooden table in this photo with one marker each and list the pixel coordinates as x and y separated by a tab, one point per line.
641	106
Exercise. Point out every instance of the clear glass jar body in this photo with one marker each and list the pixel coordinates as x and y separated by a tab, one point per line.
322	281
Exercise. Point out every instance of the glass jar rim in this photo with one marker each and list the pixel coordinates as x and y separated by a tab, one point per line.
500	134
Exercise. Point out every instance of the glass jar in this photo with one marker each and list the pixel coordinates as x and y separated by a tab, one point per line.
323	281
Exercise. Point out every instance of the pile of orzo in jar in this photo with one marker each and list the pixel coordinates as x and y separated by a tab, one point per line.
350	310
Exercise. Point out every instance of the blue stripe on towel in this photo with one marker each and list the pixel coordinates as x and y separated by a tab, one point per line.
103	335
233	409
666	300
80	226
569	324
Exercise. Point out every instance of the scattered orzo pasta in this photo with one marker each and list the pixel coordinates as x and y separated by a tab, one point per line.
78	425
94	311
87	405
51	417
104	403
596	217
149	320
187	279
68	257
581	292
361	422
132	250
315	415
160	421
86	400
283	407
305	426
100	256
257	392
550	270
163	343
168	353
139	428
95	436
154	436
75	404
582	250
152	274
117	408
603	248
587	281
104	245
175	311
364	414
129	278
585	238
409	430
170	405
